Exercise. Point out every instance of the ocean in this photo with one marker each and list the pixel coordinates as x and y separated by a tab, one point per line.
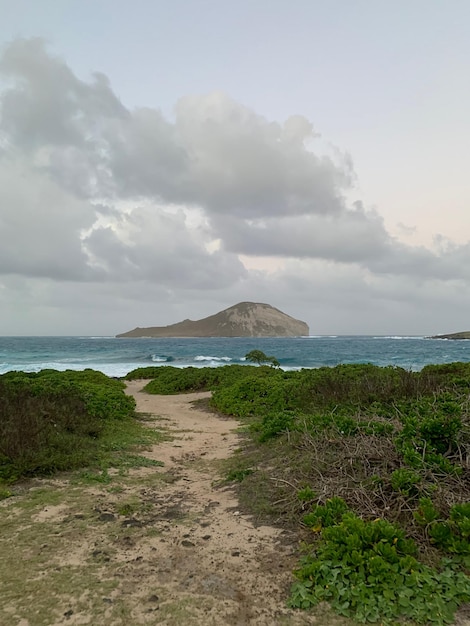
117	357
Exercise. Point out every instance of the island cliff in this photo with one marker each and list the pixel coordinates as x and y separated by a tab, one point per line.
462	335
246	319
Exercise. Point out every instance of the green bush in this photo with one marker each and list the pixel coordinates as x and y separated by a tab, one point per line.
274	424
450	376
405	481
144	373
168	380
253	396
426	512
324	516
53	421
452	534
368	570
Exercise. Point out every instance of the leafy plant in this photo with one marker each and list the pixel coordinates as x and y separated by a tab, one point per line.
257	356
368	570
426	512
52	421
275	423
405	480
306	494
324	516
239	474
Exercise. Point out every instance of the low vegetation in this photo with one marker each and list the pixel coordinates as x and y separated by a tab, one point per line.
51	421
372	465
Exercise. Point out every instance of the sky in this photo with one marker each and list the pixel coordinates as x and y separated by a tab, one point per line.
165	160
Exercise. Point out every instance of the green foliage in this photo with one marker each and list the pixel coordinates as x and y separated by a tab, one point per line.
5	493
102	396
257	356
168	380
324	516
353	385
453	376
368	570
405	481
426	512
274	424
90	477
452	534
253	395
53	421
306	494
144	373
239	474
432	428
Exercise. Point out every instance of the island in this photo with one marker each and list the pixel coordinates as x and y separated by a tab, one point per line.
463	335
245	319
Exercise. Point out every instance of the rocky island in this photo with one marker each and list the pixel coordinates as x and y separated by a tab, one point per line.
246	319
462	335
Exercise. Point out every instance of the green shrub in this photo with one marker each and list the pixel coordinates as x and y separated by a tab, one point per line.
394	444
450	376
144	373
426	512
306	494
274	424
260	395
405	481
168	380
53	420
324	516
452	534
368	570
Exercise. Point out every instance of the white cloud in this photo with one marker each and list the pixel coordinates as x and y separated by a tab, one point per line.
103	208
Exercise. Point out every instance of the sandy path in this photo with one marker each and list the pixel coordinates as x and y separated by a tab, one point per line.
223	567
148	545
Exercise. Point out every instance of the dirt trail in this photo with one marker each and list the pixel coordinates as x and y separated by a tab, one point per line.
230	571
158	545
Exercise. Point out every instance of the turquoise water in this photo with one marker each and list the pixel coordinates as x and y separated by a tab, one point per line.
116	357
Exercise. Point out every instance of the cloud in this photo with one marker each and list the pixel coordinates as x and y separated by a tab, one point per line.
348	237
156	245
147	208
40	226
216	153
45	104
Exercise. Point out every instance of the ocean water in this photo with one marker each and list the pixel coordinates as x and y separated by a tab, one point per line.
116	357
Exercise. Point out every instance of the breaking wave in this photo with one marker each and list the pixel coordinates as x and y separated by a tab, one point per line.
161	358
212	358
